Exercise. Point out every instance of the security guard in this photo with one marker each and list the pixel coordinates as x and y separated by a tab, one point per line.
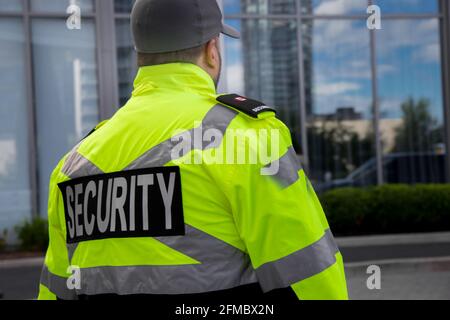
163	200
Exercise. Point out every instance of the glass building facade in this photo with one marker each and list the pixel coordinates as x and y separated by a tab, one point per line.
364	106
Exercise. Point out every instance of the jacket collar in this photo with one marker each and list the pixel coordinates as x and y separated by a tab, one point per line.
173	77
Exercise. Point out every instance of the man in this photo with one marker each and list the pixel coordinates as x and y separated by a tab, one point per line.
184	193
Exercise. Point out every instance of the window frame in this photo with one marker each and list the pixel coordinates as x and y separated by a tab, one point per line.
443	15
106	87
104	17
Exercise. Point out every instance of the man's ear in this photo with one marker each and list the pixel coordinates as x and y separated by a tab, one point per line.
212	57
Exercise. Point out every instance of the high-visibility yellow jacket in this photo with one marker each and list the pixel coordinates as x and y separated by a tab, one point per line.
243	221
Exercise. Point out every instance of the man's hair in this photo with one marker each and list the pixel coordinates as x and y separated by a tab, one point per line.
187	55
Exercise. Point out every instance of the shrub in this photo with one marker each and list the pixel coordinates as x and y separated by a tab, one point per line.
3	240
33	235
388	209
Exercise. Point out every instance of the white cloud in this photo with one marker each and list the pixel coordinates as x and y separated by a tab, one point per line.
391	107
339	6
384	69
413	34
341	39
429	53
329	89
235	79
341	48
8	154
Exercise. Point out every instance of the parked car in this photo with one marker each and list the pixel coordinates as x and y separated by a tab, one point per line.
408	168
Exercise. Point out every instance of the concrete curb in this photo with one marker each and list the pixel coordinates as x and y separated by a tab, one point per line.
26	262
394	239
436	264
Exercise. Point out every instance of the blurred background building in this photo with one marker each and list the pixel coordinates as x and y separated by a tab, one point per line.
364	106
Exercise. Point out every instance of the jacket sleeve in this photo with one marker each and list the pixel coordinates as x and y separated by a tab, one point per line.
283	226
53	283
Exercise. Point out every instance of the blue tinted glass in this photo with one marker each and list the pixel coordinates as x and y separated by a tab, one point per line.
126	60
14	170
233	75
338	99
334	7
61	6
123	6
10	5
65	72
410	91
264	65
259	7
408	6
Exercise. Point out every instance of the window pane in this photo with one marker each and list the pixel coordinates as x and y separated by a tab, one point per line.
14	178
334	7
264	65
123	6
410	91
61	6
339	102
259	6
10	5
126	59
408	6
65	73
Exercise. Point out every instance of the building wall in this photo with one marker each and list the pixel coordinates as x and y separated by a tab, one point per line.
310	59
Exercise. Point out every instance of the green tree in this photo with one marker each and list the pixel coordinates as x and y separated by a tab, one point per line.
337	149
419	131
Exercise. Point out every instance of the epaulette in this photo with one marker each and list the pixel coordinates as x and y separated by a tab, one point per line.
248	106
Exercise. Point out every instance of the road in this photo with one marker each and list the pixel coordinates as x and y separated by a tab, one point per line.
19	283
419	280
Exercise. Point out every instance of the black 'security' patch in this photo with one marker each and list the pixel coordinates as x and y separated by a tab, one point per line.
246	105
137	203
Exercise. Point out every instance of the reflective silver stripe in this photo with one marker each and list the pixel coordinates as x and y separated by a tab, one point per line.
222	267
235	265
219	118
77	166
71	247
186	279
57	285
288	165
300	265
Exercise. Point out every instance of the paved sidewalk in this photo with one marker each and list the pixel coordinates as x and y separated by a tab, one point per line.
412	267
403	279
19	279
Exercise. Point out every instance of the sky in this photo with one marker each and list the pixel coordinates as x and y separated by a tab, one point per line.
407	55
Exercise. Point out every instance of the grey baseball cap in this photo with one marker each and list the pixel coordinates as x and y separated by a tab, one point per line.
160	26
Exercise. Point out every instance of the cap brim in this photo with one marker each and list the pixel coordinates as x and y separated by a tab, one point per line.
230	31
